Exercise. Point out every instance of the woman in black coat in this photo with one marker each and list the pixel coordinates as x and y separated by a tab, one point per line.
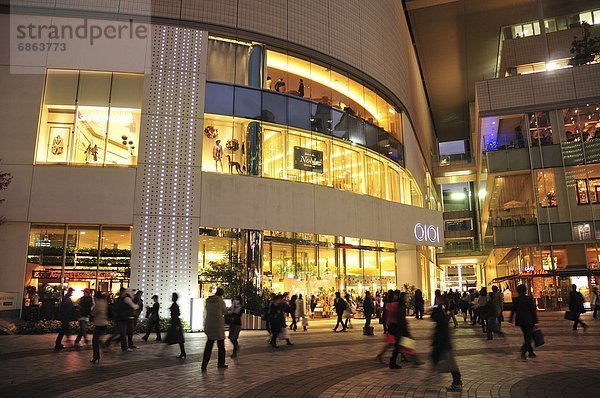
175	332
576	307
524	307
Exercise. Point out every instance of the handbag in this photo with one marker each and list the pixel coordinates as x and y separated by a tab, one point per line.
538	338
570	315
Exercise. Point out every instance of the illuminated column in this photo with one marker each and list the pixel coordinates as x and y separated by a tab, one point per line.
167	211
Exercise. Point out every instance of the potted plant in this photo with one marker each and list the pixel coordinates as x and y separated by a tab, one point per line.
584	50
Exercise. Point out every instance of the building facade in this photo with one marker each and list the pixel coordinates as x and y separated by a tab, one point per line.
293	137
539	152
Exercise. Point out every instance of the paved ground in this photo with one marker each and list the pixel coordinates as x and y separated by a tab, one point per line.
321	363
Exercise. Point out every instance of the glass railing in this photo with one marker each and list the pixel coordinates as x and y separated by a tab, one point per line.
285	109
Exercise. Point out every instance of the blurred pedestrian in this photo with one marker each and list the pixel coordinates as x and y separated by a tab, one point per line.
175	331
100	319
137	300
236	311
419	304
65	313
442	353
526	318
349	311
368	310
153	319
214	327
84	306
292	312
576	307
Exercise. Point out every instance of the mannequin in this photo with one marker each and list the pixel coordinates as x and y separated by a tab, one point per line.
218	155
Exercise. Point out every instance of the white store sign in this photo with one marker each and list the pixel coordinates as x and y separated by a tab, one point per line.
427	233
8	301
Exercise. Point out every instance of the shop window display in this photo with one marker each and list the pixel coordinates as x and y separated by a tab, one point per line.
546	188
298	155
77	256
90	118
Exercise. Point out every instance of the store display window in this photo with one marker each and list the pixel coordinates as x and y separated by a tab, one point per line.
588	191
90	118
79	256
299	155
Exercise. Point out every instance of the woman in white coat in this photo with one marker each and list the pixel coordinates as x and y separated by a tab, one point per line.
300	312
214	327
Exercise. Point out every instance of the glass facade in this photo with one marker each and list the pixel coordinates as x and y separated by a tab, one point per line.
323	88
295	154
307	264
90	118
78	256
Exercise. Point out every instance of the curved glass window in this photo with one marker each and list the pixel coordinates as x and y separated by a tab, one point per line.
253	64
294	154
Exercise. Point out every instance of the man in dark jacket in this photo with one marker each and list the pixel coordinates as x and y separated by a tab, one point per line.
153	319
65	313
340	306
576	307
368	310
526	318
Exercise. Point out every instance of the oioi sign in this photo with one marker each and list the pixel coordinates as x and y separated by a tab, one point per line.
427	233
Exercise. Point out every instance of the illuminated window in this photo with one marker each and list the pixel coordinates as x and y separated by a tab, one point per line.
546	188
299	155
588	191
90	118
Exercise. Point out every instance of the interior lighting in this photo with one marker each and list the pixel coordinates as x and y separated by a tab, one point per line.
457	196
482	193
464	261
551	65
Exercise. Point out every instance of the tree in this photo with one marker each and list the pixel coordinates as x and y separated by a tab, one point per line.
584	50
5	180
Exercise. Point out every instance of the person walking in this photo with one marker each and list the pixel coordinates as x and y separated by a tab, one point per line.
99	314
442	352
576	307
301	88
389	316
137	300
481	310
214	327
65	313
350	309
124	308
313	305
236	324
84	304
175	331
452	307
368	310
340	306
595	301
464	305
493	310
526	318
275	314
292	311
301	312
153	319
398	327
419	304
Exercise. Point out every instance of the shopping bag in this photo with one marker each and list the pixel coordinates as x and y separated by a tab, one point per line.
538	338
304	322
570	315
407	345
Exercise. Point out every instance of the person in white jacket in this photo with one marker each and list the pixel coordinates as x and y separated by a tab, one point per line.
300	311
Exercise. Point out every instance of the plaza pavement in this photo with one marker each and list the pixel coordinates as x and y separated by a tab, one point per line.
321	363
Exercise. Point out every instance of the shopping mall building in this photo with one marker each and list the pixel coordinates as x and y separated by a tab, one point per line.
296	135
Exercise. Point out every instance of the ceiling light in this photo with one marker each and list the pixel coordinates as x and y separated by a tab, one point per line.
457	196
